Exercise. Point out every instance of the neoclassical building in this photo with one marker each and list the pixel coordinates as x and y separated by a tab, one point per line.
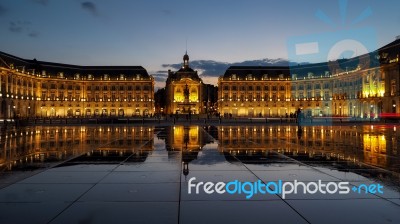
43	89
184	90
366	86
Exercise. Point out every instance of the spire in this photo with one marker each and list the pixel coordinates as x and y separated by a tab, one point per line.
186	60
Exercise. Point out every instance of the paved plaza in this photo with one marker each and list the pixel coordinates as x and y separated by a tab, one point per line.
147	180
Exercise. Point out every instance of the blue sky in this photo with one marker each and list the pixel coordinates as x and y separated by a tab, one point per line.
154	32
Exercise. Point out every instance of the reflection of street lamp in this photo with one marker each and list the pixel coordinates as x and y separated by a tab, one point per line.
371	112
29	111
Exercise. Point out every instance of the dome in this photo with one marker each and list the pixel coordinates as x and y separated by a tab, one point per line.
186	57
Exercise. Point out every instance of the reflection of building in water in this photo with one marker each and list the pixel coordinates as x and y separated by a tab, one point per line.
332	143
37	146
184	138
187	139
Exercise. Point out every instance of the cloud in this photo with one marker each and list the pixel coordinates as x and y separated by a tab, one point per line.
90	7
3	10
22	27
211	68
18	26
42	2
33	34
166	12
160	76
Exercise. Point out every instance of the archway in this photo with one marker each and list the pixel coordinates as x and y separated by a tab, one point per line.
121	112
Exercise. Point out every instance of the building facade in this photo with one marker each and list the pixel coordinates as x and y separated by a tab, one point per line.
30	88
184	91
366	86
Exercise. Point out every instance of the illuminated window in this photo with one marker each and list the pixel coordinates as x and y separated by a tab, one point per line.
226	97
250	97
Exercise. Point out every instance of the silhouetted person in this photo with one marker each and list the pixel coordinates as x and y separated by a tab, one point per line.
299	132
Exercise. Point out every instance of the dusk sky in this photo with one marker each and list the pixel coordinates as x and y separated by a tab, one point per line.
153	33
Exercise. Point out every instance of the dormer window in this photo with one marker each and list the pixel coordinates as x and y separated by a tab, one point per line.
106	76
77	76
121	76
90	76
60	75
265	76
249	77
233	76
280	76
137	76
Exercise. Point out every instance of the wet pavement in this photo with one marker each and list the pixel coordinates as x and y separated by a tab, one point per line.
130	174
